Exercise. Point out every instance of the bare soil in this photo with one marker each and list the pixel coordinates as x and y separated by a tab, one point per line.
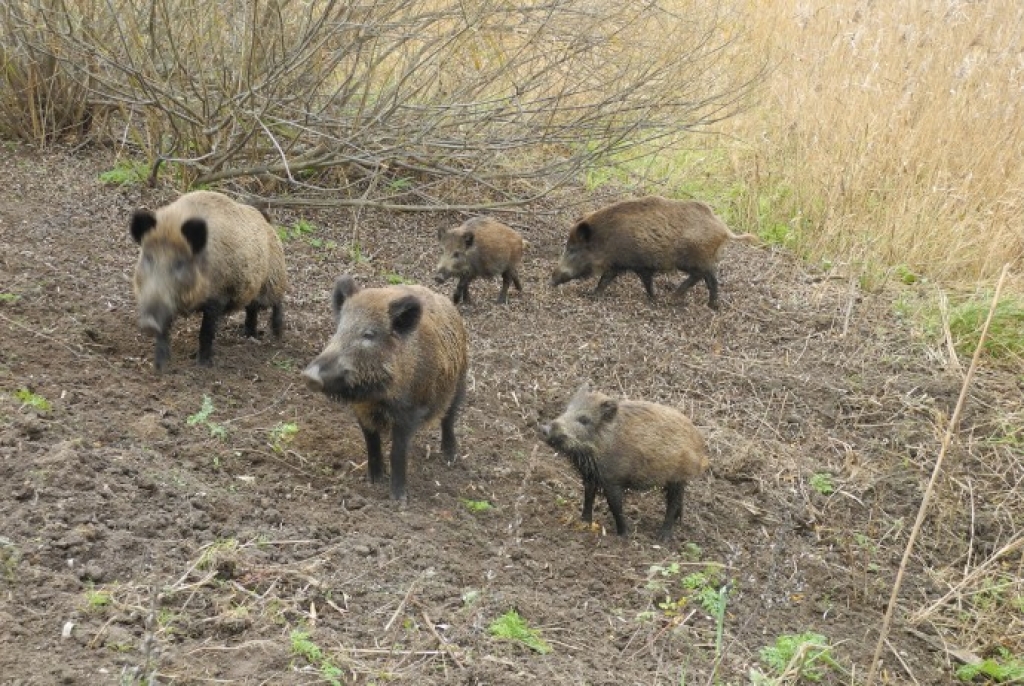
136	543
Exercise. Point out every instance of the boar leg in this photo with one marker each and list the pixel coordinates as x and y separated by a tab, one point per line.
449	445
212	311
514	273
673	508
277	320
400	438
374	456
506	281
711	279
606	278
589	491
691	279
461	291
251	312
613	494
163	350
647	277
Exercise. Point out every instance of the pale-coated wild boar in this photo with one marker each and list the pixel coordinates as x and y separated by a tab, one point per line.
480	247
206	253
619	444
398	357
647	236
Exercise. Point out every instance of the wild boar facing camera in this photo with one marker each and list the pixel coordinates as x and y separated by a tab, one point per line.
647	236
628	444
480	248
205	253
398	358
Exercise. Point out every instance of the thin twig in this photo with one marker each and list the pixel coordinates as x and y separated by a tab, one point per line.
923	509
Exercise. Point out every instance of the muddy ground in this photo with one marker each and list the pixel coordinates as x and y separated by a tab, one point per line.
141	540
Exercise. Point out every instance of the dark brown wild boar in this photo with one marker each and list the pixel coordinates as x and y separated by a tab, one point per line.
620	444
398	357
647	236
480	247
206	253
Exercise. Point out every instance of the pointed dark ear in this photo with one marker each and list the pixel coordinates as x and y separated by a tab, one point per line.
194	231
584	231
143	221
441	231
344	288
609	408
468	238
405	314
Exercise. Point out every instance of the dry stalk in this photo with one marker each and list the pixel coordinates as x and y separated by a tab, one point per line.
923	509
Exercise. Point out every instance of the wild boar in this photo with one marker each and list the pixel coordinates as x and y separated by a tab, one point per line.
480	247
399	357
619	444
206	253
647	236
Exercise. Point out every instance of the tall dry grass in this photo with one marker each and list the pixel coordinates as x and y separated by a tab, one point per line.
889	134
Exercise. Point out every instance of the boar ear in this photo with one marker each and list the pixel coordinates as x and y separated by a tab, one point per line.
195	233
405	314
609	408
441	231
468	238
584	231
143	221
344	288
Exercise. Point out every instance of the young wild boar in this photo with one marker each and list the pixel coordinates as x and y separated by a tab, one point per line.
398	357
620	444
647	236
205	253
480	247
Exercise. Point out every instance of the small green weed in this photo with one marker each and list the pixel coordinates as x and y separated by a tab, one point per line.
125	173
477	505
1005	339
9	297
822	483
397	279
805	656
217	552
97	599
298	230
511	627
10	556
282	434
202	418
1007	667
33	400
355	253
302	645
906	275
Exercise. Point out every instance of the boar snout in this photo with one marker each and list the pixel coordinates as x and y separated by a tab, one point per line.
311	375
155	320
440	277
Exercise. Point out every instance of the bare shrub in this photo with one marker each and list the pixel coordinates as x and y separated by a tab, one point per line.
317	95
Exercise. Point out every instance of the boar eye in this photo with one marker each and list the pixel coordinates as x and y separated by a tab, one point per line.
180	265
369	335
583	419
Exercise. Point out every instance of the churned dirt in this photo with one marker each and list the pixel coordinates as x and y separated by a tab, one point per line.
143	538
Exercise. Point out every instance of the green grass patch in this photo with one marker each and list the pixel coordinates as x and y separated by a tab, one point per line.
966	317
807	655
397	279
202	418
302	646
126	173
296	231
9	297
477	505
822	483
1005	668
282	434
33	400
511	627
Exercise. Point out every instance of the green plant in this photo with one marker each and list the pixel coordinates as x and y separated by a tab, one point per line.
355	253
202	418
511	627
822	483
302	645
97	599
10	556
125	173
297	230
1007	667
1005	334
282	434
397	279
36	402
477	505
803	656
9	297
